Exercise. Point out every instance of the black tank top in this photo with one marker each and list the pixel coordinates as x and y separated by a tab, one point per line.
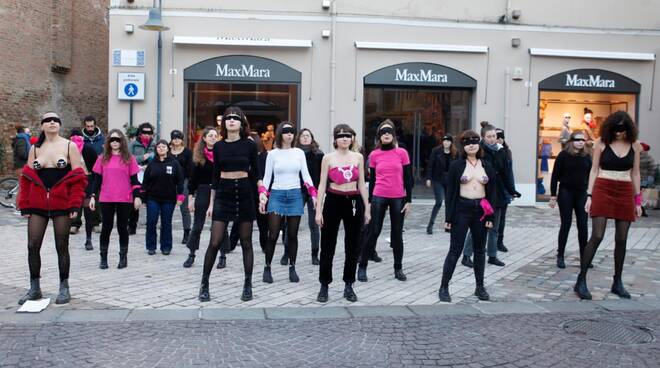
610	161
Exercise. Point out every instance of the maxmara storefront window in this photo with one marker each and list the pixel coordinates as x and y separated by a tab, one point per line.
424	101
268	91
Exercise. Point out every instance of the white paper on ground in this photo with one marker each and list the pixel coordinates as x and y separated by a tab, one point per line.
34	306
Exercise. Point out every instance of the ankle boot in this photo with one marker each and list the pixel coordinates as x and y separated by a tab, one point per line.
443	294
560	261
268	277
467	262
481	293
204	295
349	294
581	288
104	261
88	244
429	229
189	262
34	293
618	289
315	257
293	276
323	294
362	274
123	260
284	260
222	262
247	289
186	235
399	275
63	297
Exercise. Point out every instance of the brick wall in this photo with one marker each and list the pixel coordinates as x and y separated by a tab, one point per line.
54	57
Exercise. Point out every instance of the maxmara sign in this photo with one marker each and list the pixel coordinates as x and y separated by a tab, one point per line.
420	74
242	68
590	80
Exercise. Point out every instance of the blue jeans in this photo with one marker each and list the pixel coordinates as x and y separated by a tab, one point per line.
164	210
492	236
439	194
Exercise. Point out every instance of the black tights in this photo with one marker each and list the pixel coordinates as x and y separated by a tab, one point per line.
218	233
292	224
36	229
597	233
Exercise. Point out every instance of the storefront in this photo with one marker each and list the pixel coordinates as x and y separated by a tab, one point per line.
266	90
586	97
424	100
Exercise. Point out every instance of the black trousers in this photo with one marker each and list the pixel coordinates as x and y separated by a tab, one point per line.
108	211
380	205
468	214
569	201
134	216
202	201
350	210
500	233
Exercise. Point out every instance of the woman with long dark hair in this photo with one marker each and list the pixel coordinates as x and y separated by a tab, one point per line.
199	189
613	193
390	187
436	172
52	188
343	197
470	190
234	169
571	171
183	156
314	156
115	173
285	164
163	190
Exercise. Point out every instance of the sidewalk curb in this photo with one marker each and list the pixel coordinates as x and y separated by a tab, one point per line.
263	314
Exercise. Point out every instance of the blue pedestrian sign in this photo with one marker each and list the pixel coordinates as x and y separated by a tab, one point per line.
130	86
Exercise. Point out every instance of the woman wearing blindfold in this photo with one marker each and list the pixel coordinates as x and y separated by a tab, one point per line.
571	171
390	187
343	196
436	172
235	170
143	148
52	186
613	193
470	190
285	165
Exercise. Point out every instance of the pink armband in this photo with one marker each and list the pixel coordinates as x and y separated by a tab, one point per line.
488	209
311	190
638	199
180	198
262	189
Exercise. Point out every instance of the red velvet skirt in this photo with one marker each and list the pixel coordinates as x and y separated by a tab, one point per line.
613	199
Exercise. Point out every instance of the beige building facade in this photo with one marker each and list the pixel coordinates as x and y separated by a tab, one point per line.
433	67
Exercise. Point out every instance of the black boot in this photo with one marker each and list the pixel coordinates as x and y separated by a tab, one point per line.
323	294
247	289
123	260
63	297
495	261
399	275
186	235
88	244
618	289
581	288
293	276
315	257
362	274
222	262
467	262
443	294
502	248
429	229
284	260
560	261
189	262
34	293
481	293
268	277
104	261
349	294
204	295
375	258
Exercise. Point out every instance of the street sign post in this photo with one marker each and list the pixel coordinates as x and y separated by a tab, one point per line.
130	86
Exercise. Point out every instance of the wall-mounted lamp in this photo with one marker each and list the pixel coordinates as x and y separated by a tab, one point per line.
325	4
129	28
325	33
516	13
515	42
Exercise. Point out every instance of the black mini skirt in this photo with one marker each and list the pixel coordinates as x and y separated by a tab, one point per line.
234	201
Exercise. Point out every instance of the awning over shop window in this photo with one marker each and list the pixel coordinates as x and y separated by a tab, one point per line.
242	68
594	80
242	41
421	75
590	54
420	47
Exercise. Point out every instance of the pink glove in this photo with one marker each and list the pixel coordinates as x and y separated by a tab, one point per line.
488	209
311	190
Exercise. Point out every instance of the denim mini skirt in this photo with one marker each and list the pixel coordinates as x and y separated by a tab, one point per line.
286	202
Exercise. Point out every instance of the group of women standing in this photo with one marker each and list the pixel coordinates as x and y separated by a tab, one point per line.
230	178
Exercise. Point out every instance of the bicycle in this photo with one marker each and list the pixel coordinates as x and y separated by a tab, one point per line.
8	192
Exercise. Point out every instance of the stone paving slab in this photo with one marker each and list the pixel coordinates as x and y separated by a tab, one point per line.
508	308
383	311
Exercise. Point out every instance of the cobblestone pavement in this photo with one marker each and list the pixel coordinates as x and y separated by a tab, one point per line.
160	282
470	341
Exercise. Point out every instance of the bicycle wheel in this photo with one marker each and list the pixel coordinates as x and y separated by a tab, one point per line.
8	190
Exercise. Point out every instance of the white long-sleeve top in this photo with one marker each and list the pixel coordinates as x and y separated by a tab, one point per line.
284	167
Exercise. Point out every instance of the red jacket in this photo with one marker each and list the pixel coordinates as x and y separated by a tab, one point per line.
67	194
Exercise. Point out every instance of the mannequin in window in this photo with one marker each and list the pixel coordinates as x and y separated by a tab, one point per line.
565	134
588	124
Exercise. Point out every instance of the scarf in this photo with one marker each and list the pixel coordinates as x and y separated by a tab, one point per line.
306	148
493	147
386	147
145	140
208	153
78	140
